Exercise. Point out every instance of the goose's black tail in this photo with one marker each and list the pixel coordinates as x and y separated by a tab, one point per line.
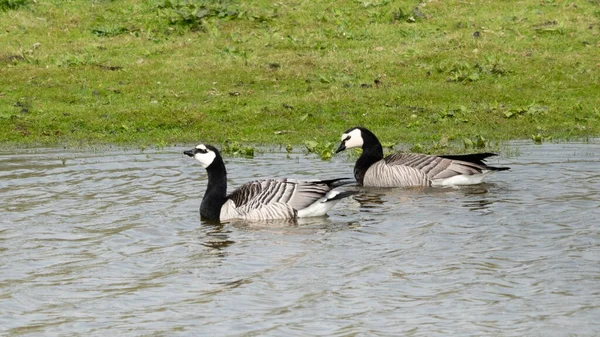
333	183
477	158
343	195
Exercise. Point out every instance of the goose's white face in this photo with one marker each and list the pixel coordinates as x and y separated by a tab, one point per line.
204	155
352	139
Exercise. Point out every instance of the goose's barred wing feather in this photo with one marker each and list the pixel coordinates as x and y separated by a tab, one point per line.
439	167
243	194
276	210
381	174
297	194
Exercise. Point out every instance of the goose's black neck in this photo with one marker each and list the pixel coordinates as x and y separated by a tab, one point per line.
372	152
216	190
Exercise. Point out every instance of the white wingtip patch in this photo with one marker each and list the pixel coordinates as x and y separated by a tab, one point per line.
321	206
330	195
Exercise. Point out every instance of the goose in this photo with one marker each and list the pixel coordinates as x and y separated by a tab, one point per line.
412	169
266	199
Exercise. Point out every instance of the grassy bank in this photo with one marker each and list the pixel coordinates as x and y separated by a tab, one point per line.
165	71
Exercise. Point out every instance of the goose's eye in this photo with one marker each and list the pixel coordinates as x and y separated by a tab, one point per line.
347	138
202	150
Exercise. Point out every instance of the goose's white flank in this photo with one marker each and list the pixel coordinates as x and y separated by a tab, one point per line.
262	199
412	169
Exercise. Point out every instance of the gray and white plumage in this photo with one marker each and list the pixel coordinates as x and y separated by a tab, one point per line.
412	169
262	199
276	199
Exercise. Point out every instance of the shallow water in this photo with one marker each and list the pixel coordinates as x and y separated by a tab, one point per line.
110	243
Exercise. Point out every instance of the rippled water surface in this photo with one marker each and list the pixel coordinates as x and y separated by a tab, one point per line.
110	243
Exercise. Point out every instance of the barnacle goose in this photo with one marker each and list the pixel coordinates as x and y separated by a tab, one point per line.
262	199
412	169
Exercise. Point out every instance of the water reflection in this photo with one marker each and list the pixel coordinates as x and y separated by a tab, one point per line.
475	197
216	237
369	199
478	205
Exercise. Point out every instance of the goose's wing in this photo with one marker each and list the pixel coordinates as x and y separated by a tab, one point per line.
245	193
416	169
395	171
295	193
435	167
276	210
307	192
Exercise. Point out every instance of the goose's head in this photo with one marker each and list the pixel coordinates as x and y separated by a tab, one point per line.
352	138
204	154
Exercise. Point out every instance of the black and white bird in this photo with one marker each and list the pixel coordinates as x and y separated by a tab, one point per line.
412	169
262	199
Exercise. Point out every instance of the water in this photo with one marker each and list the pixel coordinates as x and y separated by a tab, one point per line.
110	243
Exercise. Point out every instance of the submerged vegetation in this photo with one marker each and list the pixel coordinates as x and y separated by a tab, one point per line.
233	148
435	74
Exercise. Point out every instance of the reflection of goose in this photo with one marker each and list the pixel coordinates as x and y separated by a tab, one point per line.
370	199
262	199
412	169
216	239
477	205
476	199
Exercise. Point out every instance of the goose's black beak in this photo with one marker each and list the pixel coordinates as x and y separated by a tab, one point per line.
341	148
190	153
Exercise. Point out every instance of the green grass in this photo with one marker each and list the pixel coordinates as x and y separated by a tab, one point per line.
430	73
